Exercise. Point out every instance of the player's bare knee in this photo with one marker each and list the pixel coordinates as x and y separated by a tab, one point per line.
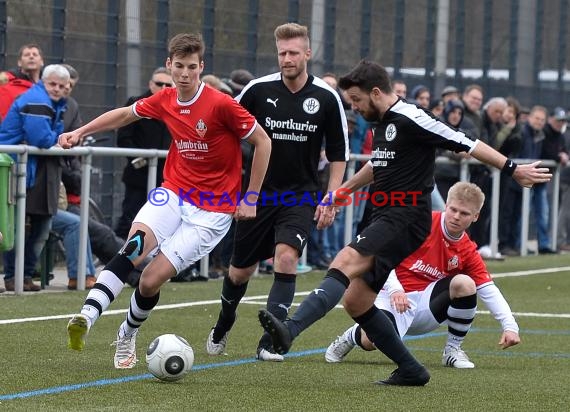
351	262
356	302
286	258
342	258
286	261
148	287
239	276
461	285
351	305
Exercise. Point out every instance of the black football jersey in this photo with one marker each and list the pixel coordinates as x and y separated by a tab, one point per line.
404	144
298	125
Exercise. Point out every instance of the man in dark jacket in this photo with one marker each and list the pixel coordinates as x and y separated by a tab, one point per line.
491	123
36	118
554	146
533	138
144	134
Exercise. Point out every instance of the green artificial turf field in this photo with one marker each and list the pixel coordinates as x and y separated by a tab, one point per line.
38	372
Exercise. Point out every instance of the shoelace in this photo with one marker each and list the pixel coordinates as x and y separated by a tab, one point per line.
124	345
341	346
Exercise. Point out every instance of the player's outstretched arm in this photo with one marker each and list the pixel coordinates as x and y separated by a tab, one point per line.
525	175
528	174
262	151
110	120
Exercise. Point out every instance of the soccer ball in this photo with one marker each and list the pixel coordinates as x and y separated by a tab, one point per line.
169	357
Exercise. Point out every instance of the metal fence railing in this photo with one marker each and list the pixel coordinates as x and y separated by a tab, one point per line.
89	153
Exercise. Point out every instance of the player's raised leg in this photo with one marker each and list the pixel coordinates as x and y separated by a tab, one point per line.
110	283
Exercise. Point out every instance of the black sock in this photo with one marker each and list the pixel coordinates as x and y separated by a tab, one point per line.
231	296
139	310
279	301
382	333
319	302
120	266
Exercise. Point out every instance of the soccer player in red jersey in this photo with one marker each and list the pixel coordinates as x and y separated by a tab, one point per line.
186	217
438	284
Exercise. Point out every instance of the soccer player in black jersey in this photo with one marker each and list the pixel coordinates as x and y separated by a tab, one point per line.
403	159
300	113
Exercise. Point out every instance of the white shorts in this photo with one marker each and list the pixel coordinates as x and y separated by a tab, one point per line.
417	320
185	233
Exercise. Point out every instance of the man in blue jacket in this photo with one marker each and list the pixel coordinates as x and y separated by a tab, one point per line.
36	118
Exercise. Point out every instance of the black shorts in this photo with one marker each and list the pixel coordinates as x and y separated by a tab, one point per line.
255	239
390	238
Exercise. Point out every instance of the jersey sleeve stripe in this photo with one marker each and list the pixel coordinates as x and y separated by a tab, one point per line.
250	131
433	126
321	83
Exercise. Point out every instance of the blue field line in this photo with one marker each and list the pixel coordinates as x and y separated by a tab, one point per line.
105	382
309	352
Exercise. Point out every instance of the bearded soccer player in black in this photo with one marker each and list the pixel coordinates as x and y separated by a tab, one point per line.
403	159
300	113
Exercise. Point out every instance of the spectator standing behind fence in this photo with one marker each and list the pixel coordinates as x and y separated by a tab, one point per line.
472	99
446	175
491	123
564	212
508	142
400	88
145	134
36	119
553	148
20	79
421	96
65	223
532	138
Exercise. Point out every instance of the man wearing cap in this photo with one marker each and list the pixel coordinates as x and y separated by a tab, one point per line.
238	79
449	93
554	145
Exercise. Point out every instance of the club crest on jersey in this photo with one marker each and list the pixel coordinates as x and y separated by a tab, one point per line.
453	263
311	105
390	132
201	128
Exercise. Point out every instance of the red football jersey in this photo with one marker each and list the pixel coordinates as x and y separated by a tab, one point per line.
203	165
440	256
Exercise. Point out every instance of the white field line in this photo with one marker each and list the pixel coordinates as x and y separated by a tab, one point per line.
532	272
481	312
261	299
